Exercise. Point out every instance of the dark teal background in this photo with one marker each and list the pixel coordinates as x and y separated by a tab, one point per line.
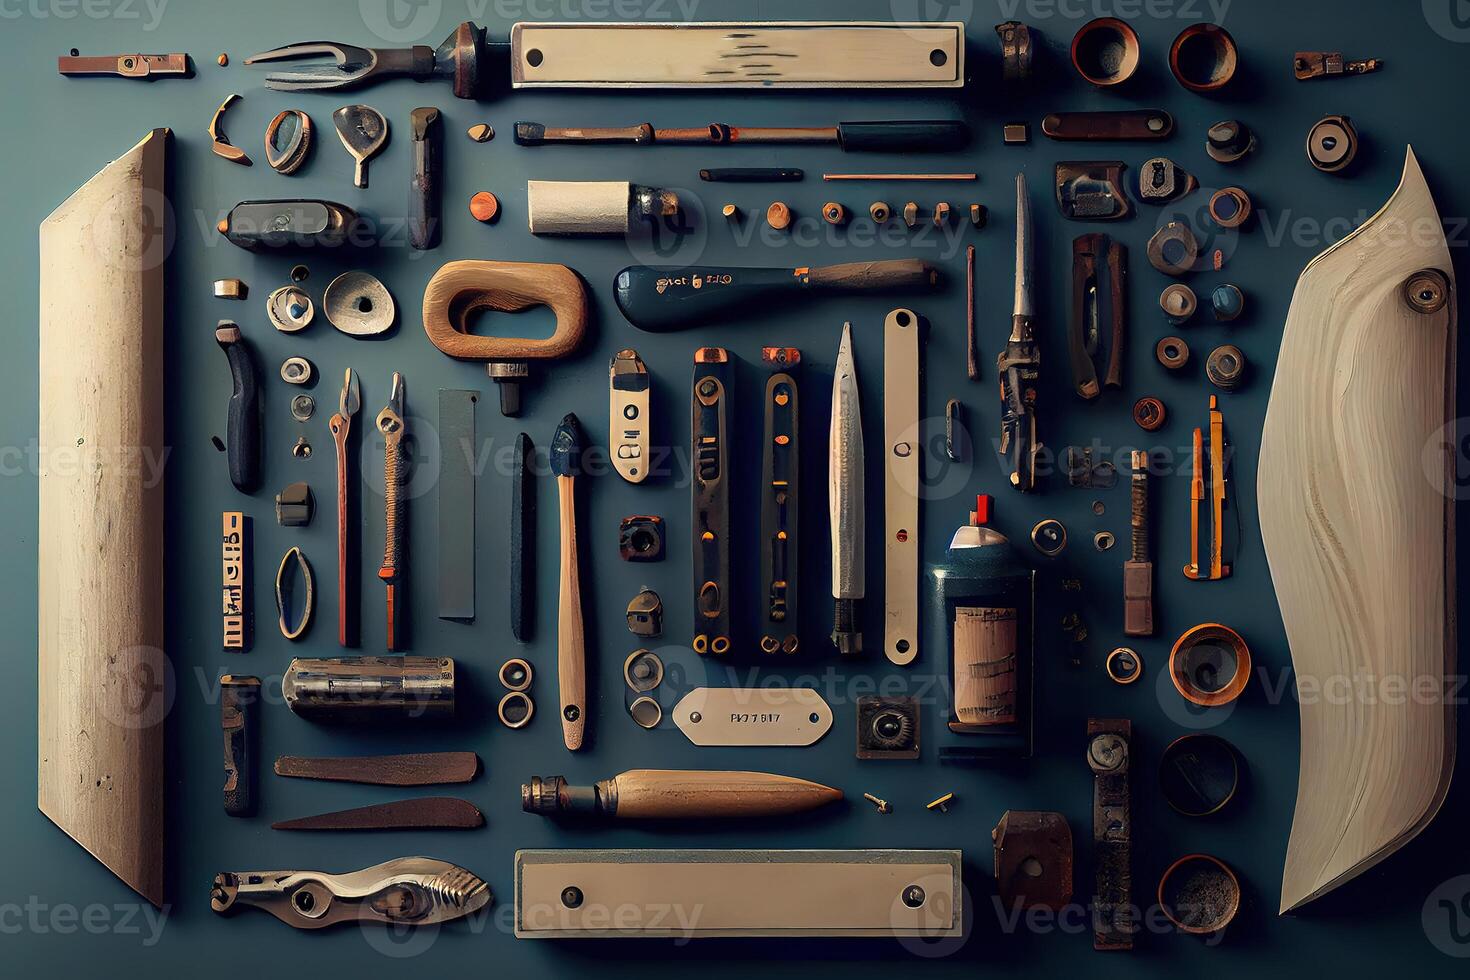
59	132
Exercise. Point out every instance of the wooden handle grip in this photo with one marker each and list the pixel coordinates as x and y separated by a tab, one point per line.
579	207
460	290
890	274
669	794
571	649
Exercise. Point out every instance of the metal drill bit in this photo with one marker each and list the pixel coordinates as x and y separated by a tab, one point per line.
845	501
1019	365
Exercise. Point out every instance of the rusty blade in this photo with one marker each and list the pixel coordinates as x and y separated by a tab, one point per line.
430	812
409	769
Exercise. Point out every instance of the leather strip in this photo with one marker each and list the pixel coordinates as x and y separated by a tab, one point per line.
522	550
1141	124
409	769
1108	750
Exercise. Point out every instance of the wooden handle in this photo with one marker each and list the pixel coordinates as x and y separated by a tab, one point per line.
669	794
571	649
459	290
579	207
890	274
340	425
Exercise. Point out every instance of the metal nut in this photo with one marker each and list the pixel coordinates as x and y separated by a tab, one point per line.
1172	352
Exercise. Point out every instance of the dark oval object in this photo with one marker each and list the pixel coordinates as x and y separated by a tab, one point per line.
1199	774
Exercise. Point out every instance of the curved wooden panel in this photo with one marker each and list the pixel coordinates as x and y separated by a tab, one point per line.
1357	519
104	690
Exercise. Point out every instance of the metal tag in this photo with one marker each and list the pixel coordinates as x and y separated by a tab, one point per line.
792	716
691	894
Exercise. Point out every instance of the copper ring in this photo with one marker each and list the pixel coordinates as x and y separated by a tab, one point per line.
1197	864
289	158
1172	352
1197	678
1230	207
1149	413
1105	51
1203	58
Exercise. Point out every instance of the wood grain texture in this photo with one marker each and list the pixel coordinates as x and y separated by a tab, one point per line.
672	794
460	290
571	640
774	54
409	769
579	207
885	274
1355	490
100	618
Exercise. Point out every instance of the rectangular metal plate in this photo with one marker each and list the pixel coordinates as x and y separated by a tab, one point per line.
457	456
782	54
901	487
691	894
753	716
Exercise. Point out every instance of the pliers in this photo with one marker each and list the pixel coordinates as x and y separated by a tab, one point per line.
458	59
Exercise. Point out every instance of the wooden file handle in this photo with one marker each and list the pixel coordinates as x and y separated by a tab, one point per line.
571	646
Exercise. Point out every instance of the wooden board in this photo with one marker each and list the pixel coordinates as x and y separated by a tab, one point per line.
690	894
781	54
1355	490
103	692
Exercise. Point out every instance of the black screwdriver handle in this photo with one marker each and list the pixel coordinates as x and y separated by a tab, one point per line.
242	428
904	137
662	300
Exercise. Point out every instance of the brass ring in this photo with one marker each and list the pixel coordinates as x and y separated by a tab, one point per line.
643	671
519	698
288	159
646	712
1124	665
1210	665
515	674
284	592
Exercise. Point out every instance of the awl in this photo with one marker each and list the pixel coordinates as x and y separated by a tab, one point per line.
846	502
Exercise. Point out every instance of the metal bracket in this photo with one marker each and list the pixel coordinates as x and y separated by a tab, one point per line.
901	373
773	893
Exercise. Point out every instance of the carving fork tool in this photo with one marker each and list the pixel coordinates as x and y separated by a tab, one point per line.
348	405
1020	363
395	529
846	502
571	644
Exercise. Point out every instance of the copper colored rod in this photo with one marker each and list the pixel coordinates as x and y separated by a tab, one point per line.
900	176
972	360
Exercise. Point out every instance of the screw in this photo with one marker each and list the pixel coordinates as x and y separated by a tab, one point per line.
883	805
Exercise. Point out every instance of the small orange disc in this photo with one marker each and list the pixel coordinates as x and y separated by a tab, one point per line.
484	206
